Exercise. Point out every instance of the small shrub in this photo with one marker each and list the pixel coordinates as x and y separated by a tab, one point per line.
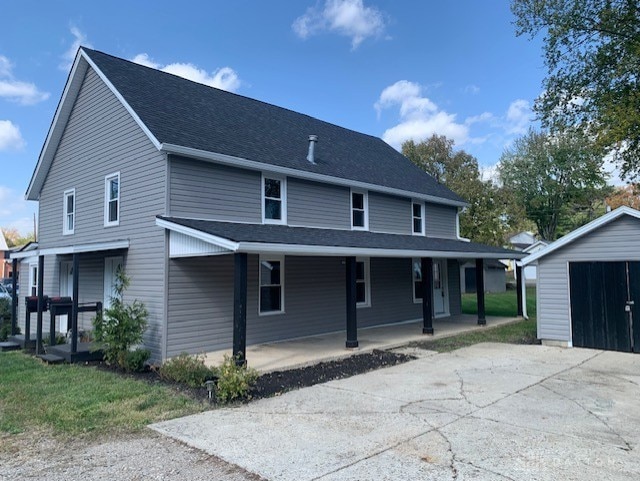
5	319
60	339
120	326
135	360
186	369
234	381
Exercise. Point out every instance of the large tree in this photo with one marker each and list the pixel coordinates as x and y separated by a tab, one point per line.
558	179
592	53
14	238
491	212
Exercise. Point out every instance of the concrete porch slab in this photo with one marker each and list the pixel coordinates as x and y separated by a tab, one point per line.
304	351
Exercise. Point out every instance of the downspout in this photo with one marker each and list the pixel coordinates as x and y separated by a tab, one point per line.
523	286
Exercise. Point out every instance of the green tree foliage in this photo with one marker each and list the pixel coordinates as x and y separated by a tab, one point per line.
14	238
592	52
491	213
559	180
121	326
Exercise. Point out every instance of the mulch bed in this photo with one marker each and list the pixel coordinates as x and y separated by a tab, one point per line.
278	382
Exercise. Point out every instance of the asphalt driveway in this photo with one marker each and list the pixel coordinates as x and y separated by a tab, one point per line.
486	412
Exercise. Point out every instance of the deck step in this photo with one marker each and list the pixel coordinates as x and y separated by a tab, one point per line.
9	346
51	358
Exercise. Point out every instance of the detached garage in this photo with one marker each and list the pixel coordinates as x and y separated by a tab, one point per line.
589	285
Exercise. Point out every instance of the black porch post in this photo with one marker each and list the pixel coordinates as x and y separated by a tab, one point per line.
519	283
74	304
352	316
240	308
14	297
426	267
480	291
40	303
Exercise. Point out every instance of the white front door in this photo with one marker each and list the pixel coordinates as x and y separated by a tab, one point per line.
440	291
111	265
66	290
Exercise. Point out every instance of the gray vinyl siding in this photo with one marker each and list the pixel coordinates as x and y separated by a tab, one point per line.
440	221
389	214
313	204
616	241
101	138
200	303
204	190
453	283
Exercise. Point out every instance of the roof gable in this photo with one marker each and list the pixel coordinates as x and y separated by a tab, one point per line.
581	232
179	115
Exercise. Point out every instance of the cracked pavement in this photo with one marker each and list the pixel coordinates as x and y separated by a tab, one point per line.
486	412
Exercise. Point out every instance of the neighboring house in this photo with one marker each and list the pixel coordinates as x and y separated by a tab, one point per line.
522	240
236	220
588	291
531	272
495	279
5	263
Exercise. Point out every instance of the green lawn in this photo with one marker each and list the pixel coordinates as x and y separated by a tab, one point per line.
72	400
500	303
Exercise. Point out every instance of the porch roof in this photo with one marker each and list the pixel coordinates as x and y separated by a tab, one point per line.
192	237
73	249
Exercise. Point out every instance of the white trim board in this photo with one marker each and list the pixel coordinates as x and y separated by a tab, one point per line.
75	249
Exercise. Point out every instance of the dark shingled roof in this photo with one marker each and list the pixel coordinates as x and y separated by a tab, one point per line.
189	114
281	234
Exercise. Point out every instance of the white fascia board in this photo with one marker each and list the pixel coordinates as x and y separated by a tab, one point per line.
124	103
81	248
74	249
203	236
297	249
581	231
301	174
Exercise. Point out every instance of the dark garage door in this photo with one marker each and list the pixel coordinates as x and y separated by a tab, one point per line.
605	300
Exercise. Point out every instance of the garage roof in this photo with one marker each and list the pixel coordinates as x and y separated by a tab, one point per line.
580	232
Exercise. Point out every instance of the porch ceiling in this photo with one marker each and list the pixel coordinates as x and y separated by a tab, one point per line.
73	249
229	237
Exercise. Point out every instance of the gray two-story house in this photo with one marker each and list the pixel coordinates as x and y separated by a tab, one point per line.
237	221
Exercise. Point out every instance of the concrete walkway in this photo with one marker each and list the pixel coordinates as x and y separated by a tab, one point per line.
304	351
486	412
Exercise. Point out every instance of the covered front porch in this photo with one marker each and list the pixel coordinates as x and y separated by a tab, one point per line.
293	353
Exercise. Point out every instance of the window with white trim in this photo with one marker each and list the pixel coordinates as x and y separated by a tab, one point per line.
271	296
69	216
363	282
417	217
112	199
416	268
274	200
33	279
359	210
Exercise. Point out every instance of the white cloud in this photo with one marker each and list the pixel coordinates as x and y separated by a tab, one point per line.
10	136
349	18
471	89
224	78
518	117
79	40
420	117
24	93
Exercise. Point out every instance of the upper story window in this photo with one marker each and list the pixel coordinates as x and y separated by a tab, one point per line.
112	199
69	212
271	285
274	200
417	215
359	210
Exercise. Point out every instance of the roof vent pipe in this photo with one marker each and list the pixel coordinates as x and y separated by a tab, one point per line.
312	146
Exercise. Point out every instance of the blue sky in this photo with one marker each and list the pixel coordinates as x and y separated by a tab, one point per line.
393	69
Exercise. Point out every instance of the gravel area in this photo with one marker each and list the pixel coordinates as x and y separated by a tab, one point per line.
145	456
